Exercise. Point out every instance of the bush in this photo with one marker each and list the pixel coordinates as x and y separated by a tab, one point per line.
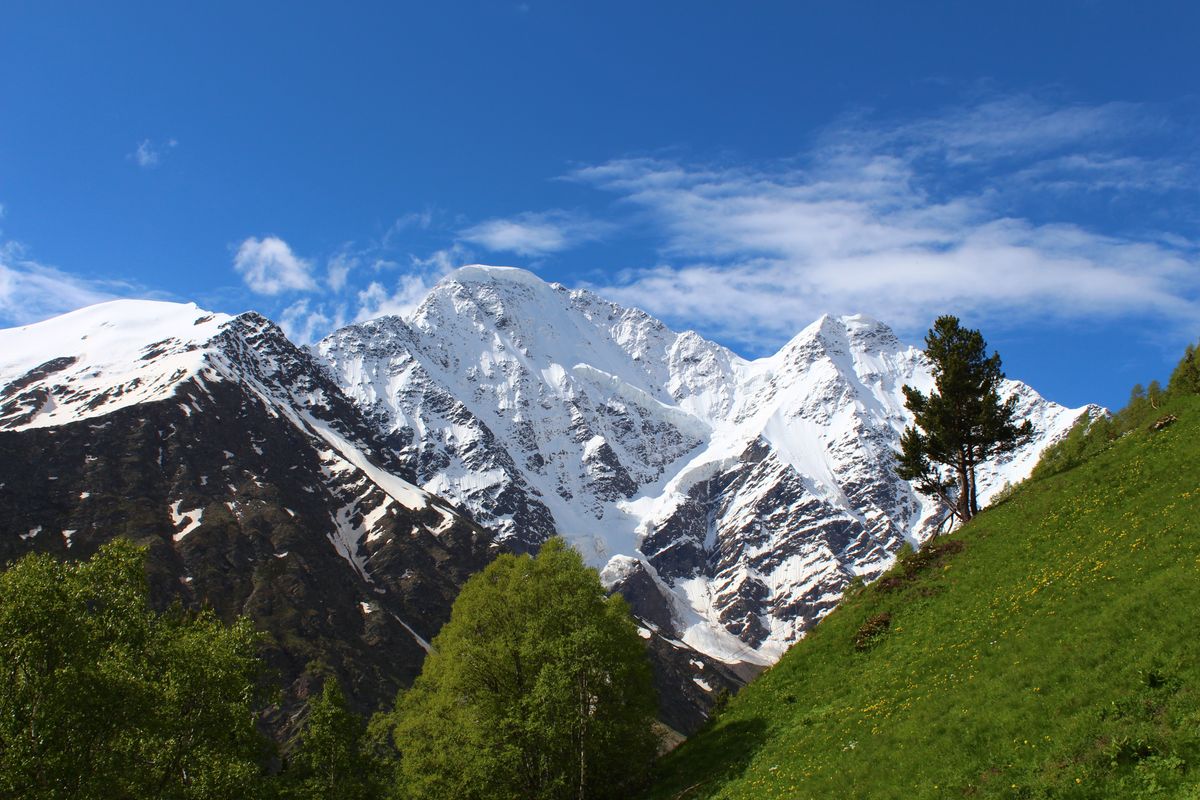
869	633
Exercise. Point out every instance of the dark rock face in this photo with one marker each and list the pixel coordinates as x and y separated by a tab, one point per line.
690	684
246	508
645	598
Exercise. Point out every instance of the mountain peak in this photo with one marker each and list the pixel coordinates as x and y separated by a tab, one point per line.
485	273
852	332
118	332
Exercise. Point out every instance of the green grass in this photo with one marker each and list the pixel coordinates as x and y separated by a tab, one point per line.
1054	654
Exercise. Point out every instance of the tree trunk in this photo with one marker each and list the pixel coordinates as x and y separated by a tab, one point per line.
971	480
964	489
583	720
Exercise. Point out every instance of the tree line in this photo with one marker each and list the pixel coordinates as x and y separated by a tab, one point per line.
1148	405
538	687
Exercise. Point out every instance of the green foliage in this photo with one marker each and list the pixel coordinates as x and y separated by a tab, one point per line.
1090	437
538	687
869	633
1003	494
102	698
962	423
1086	438
1186	377
333	758
1051	654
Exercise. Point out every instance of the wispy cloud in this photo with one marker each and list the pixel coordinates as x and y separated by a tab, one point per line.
1106	172
149	154
1013	126
535	233
305	322
868	221
339	267
415	220
268	266
409	289
30	291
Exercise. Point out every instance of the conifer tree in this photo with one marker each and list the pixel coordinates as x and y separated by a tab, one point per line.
960	425
332	760
1186	377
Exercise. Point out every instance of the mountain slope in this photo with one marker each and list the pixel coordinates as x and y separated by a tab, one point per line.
256	484
1045	650
746	494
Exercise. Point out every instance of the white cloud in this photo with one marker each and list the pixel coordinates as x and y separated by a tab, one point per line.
1101	172
410	289
268	266
534	234
148	154
305	323
337	270
420	220
753	253
30	292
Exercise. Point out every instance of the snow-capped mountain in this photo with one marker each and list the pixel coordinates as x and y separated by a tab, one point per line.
730	500
256	485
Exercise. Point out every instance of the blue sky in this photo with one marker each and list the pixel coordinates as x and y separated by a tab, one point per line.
734	168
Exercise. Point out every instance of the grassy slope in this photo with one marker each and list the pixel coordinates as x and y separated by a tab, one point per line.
1056	655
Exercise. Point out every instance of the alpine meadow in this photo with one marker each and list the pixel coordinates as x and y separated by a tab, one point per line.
523	400
1043	650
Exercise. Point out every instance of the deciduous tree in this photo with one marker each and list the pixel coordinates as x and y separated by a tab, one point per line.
538	687
100	697
332	759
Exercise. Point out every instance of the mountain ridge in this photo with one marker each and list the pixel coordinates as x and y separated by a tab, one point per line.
739	484
730	500
255	484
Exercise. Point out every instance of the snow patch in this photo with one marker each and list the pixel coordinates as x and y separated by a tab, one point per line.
190	520
420	641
